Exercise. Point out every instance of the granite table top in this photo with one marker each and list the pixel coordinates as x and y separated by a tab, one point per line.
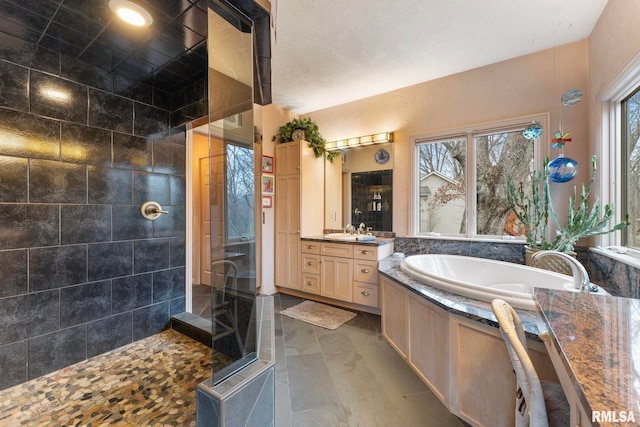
473	309
598	340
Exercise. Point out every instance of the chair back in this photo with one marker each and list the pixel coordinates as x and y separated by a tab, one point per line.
229	276
532	412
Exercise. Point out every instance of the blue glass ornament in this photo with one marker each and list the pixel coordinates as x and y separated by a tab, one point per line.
571	97
533	131
562	169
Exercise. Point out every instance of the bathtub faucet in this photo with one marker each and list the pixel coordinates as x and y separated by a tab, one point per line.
580	275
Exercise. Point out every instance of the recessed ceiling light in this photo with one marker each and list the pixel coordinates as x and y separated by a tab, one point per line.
131	12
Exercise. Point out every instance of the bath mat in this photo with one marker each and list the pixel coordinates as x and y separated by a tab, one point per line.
318	314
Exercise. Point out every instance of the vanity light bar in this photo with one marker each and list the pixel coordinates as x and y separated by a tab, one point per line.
378	138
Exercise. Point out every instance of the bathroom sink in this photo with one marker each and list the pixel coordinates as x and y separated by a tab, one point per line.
345	237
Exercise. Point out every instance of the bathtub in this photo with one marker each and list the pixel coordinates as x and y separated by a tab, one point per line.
485	279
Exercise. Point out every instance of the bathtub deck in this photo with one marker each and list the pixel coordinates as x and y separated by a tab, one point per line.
148	382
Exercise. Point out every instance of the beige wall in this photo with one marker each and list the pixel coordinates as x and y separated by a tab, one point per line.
613	43
522	86
268	119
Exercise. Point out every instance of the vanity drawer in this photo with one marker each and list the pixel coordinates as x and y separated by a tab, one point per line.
310	247
365	294
311	263
365	271
337	249
310	283
365	252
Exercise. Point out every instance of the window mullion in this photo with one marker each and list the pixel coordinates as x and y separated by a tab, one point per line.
472	187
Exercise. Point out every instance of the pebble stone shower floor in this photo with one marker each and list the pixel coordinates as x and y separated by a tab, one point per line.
150	382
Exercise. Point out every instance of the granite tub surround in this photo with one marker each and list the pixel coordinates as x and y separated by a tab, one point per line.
150	382
476	310
614	276
596	338
510	252
618	278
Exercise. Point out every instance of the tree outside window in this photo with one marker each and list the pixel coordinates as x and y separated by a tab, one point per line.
444	205
240	197
631	166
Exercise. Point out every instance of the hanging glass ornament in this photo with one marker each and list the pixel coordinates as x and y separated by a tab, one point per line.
533	131
559	140
571	97
562	169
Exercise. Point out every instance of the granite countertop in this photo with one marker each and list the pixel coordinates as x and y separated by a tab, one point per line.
598	340
380	241
473	309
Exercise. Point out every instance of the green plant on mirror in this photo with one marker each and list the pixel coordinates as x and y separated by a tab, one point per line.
311	135
534	208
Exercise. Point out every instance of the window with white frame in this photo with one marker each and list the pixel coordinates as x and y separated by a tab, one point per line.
620	153
630	166
460	179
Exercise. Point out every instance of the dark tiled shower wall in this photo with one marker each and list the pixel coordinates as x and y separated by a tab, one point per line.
81	272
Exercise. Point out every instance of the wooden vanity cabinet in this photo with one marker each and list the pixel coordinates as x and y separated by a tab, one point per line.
310	267
347	273
464	362
336	274
299	210
365	273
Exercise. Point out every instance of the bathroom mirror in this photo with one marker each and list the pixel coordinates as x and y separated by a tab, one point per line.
357	179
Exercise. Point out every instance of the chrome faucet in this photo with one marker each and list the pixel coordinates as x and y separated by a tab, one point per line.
361	228
350	228
580	275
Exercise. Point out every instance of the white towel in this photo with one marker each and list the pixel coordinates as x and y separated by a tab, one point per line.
365	238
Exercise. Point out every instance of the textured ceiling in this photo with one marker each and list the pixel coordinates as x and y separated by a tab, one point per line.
330	52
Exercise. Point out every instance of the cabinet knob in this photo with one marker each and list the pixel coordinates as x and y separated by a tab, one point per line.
310	263
310	246
364	270
365	252
365	293
310	283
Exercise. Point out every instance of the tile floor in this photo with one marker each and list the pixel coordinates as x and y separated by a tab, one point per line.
347	377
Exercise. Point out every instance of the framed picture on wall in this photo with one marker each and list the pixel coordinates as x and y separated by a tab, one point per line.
267	201
267	184
267	164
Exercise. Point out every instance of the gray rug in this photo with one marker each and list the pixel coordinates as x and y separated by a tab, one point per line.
318	314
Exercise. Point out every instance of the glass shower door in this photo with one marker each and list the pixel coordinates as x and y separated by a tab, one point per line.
232	190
